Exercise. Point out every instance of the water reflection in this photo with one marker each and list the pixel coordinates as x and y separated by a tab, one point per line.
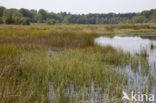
127	44
143	77
83	95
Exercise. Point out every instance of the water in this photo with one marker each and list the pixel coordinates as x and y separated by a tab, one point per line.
142	78
83	95
127	44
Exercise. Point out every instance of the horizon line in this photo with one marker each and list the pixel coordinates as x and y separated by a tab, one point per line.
68	12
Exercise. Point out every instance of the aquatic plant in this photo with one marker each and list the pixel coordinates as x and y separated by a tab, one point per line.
32	57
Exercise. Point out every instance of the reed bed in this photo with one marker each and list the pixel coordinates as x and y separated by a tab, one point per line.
31	57
25	75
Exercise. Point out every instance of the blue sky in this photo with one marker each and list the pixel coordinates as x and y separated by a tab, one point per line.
83	6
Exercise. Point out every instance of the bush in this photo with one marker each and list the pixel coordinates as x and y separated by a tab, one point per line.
1	20
8	20
16	20
51	22
24	21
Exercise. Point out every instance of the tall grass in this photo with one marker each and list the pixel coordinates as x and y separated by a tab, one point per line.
28	76
52	40
107	30
32	57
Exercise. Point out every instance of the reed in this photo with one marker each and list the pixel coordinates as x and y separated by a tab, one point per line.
31	57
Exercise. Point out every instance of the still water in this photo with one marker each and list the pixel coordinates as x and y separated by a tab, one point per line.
142	78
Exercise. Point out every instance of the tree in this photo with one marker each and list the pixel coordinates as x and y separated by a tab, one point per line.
1	20
51	21
8	19
12	12
43	15
13	16
21	20
28	13
25	16
138	19
2	9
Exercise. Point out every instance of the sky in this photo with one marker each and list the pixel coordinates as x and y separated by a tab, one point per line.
82	6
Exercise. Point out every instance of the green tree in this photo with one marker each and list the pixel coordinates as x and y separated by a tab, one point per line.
51	22
8	19
138	19
28	14
1	20
2	9
42	15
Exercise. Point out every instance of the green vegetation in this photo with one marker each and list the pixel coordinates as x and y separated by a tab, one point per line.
25	17
25	75
32	57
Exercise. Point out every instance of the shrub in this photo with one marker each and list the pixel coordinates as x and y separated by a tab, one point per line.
51	21
1	20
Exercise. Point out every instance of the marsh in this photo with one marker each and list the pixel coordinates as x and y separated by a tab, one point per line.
75	63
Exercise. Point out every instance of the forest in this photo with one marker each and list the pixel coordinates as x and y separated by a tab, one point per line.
26	17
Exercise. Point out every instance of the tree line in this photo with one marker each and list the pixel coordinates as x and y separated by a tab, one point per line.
26	16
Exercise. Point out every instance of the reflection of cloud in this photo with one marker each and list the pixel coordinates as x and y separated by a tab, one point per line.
127	44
